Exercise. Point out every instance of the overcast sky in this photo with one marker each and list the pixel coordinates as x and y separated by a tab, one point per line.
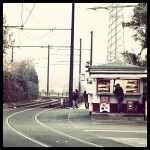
58	15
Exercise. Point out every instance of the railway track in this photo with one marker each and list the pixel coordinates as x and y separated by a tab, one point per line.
42	103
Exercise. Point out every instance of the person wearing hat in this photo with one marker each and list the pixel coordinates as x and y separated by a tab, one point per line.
75	97
120	95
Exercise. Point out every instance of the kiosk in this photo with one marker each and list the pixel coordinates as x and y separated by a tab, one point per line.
101	81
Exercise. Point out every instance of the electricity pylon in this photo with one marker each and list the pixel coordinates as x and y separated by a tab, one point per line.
115	45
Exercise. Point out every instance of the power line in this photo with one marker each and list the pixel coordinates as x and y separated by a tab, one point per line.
43	29
74	49
38	46
21	27
29	14
17	27
33	15
64	64
39	37
21	15
37	58
68	61
53	64
64	54
108	7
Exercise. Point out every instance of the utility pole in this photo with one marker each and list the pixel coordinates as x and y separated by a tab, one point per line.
80	68
91	48
48	58
48	72
71	57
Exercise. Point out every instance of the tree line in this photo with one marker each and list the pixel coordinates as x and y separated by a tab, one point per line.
20	80
139	26
20	83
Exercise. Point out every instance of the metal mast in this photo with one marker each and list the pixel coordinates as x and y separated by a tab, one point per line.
116	33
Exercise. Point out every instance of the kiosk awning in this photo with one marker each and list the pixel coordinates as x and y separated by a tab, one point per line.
121	76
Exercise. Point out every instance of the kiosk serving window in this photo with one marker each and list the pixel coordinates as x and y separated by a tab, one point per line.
129	86
103	85
132	86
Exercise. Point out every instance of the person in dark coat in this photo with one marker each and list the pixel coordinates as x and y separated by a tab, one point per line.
120	95
86	100
75	97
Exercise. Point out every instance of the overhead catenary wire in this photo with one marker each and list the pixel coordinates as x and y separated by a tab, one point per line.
16	27
64	54
68	61
64	64
19	38
37	58
38	46
35	29
21	15
21	27
34	16
45	29
53	64
74	49
38	37
29	14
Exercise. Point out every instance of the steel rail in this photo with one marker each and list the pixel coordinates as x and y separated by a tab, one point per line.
21	133
35	105
63	134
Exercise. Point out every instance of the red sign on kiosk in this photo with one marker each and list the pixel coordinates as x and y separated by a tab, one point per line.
104	103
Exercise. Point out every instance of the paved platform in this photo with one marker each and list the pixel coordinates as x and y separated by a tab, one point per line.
139	117
81	106
117	116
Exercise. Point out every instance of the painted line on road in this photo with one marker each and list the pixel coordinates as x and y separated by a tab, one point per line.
116	131
61	133
136	142
21	133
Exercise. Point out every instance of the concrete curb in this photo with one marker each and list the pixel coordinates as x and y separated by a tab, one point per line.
125	117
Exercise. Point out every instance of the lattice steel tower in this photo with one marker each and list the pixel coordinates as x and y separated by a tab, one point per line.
116	33
116	45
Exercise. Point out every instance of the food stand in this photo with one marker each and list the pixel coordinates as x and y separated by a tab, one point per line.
101	81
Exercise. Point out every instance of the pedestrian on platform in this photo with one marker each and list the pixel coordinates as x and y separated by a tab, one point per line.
120	95
75	97
86	100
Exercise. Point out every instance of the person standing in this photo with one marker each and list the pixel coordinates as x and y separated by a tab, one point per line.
75	97
120	95
86	100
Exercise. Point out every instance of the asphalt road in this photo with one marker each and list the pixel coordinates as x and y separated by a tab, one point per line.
45	127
